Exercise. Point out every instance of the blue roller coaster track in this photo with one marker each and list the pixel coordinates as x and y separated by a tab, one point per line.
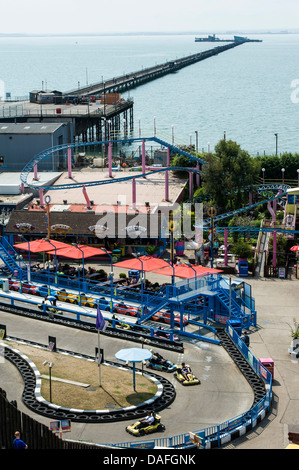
47	153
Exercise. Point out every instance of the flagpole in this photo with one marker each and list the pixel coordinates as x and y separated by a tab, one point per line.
100	326
99	360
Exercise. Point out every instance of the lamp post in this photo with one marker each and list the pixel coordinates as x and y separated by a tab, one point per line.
143	340
173	269
263	170
142	279
282	174
111	275
298	176
154	126
83	274
29	260
190	265
276	144
196	141
47	240
50	364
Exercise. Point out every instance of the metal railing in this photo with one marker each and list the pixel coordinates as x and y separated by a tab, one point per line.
215	434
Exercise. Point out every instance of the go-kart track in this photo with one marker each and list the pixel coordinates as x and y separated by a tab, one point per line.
222	394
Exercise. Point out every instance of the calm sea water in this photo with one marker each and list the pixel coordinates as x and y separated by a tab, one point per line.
245	92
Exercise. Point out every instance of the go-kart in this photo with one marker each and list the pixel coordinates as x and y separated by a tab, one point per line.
191	379
159	363
139	429
163	334
49	309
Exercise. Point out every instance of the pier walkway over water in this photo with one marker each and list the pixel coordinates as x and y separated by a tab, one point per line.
132	80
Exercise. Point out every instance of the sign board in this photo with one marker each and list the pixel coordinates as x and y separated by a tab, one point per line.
60	426
281	273
197	439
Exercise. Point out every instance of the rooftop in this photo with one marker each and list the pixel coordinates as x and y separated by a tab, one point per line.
29	128
149	190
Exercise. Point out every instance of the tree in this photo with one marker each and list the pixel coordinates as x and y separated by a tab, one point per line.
229	175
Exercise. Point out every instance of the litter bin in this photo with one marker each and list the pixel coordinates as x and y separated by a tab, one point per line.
236	325
268	363
243	268
179	248
116	255
5	285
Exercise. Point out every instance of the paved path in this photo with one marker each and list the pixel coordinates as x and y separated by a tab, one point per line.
277	303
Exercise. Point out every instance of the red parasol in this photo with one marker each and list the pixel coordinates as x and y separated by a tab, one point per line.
294	248
147	263
186	272
74	252
38	246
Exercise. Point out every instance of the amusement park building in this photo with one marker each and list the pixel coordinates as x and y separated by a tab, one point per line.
20	141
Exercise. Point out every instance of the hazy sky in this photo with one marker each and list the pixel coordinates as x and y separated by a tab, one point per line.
116	16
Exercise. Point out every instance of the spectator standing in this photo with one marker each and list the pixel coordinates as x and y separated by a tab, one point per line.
18	443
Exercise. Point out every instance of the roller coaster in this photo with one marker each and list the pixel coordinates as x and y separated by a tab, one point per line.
208	297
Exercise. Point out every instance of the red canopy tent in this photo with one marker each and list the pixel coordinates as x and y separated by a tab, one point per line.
147	263
186	272
41	245
75	252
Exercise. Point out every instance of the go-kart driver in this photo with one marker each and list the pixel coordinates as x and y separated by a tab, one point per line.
185	370
158	358
147	421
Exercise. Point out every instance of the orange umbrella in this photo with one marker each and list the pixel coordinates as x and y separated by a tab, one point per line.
147	263
38	246
186	272
75	252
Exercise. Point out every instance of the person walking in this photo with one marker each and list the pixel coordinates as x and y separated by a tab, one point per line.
18	443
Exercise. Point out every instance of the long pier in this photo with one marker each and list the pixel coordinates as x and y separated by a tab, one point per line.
132	80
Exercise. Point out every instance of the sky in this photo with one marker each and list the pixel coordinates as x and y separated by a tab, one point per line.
129	16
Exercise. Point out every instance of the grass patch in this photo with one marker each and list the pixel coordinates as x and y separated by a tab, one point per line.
111	393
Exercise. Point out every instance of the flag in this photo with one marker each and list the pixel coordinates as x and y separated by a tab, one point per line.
100	322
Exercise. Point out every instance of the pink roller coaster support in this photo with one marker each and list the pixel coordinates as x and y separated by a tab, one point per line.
69	161
190	184
225	247
22	188
167	177
110	159
274	248
35	172
41	197
143	157
197	175
86	197
134	193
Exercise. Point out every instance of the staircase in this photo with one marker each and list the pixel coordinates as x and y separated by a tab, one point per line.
9	257
155	304
235	310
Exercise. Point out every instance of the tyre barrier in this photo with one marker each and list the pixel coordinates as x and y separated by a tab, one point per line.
129	335
32	398
245	368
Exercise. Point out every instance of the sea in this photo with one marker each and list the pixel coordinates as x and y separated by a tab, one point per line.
248	94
